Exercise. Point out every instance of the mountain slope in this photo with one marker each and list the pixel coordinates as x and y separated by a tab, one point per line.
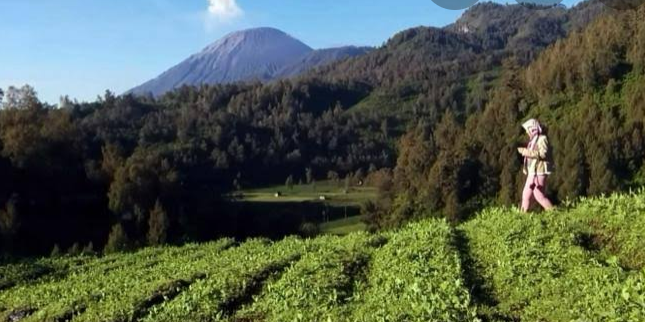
244	55
322	57
485	35
586	88
256	54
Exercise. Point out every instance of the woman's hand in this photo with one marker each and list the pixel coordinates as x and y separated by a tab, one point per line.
522	151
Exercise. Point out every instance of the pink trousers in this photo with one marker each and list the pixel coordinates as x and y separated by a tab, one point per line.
535	187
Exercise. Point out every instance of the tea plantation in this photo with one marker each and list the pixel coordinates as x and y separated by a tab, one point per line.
582	262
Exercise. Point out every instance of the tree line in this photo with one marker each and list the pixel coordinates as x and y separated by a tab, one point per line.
433	115
587	89
156	170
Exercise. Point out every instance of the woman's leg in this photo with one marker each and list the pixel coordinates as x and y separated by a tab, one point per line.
527	194
539	192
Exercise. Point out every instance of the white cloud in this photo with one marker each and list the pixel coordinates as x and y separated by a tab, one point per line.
224	10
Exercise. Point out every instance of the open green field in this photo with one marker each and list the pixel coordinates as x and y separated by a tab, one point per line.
334	194
584	262
343	226
328	194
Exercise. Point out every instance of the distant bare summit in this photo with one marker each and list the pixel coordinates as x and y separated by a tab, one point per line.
255	54
243	55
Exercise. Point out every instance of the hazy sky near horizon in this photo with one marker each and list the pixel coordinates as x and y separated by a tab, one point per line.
81	48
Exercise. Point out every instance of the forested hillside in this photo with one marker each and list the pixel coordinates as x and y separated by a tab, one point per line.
433	116
587	89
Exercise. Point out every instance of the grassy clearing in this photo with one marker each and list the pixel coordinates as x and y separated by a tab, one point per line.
343	226
343	203
333	193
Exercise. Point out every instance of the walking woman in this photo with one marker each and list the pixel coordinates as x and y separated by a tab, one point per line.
536	167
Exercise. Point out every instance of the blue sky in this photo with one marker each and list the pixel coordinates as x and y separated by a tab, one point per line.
81	48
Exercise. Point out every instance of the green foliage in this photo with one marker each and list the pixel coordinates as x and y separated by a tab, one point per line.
31	134
344	226
56	252
587	92
112	159
10	222
309	229
117	240
588	60
229	280
585	262
416	276
24	272
146	176
466	87
9	219
110	288
574	178
547	268
75	250
88	249
158	225
617	231
319	285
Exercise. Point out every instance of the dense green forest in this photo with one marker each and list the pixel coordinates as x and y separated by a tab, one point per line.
433	117
587	88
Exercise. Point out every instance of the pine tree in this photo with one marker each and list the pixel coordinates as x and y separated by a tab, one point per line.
511	182
416	156
75	250
573	171
117	240
158	224
89	249
636	54
112	160
55	251
602	180
10	223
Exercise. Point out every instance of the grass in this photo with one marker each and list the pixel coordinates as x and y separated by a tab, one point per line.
334	194
328	193
343	226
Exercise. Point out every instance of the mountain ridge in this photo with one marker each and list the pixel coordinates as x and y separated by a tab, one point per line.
261	54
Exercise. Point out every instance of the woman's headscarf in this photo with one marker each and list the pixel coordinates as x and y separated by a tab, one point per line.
530	124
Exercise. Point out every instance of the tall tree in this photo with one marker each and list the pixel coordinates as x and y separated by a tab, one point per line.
573	175
158	224
10	223
117	240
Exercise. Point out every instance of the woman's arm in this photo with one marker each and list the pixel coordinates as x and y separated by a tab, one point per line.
540	153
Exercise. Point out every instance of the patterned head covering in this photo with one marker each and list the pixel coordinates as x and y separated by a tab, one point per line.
531	124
